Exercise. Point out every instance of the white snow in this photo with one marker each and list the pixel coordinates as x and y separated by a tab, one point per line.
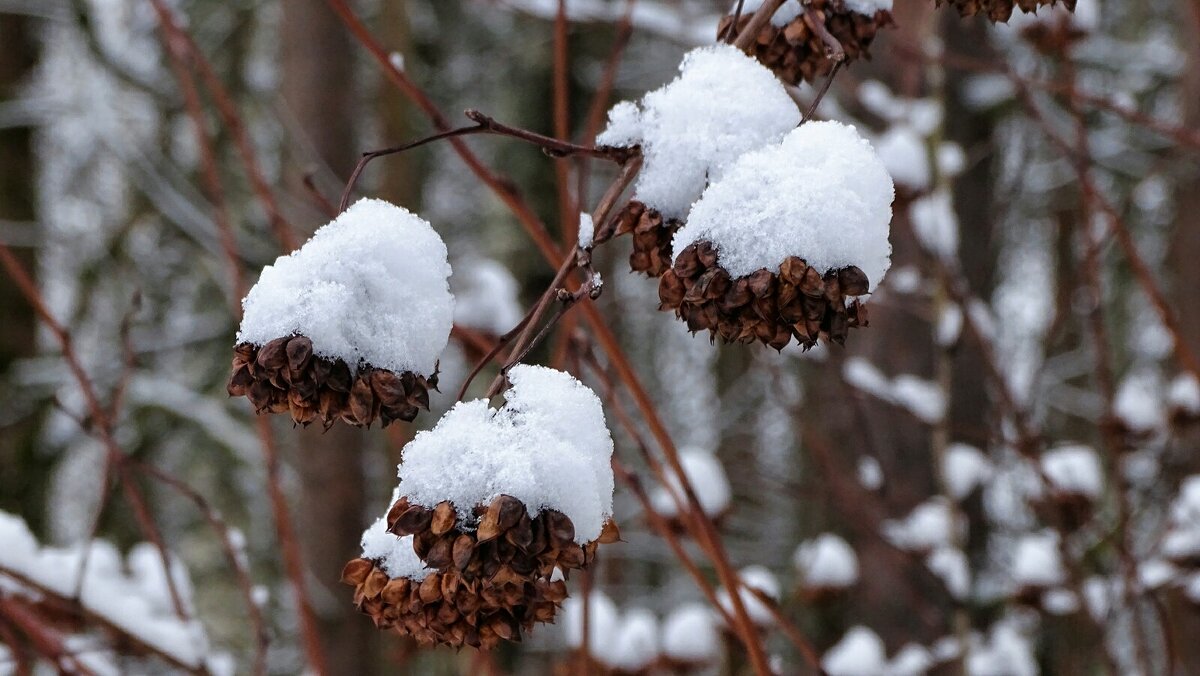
950	564
935	223
1184	394
369	286
951	159
932	524
1139	401
821	194
394	554
949	325
860	653
130	593
791	9
753	577
602	622
722	104
1182	539
485	296
548	446
690	634
870	473
1154	573
1036	561
1007	652
912	660
707	477
587	230
826	561
963	468
922	398
906	156
1074	469
635	645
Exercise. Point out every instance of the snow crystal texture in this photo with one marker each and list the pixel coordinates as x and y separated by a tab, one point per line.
822	194
368	287
722	104
395	554
548	446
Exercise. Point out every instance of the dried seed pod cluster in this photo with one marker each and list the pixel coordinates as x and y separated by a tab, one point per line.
285	376
1001	10
651	237
350	326
536	476
491	581
794	45
770	308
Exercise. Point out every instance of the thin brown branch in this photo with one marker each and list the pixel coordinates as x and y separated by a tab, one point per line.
745	39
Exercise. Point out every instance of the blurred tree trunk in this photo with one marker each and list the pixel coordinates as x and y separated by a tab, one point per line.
1183	620
25	483
319	95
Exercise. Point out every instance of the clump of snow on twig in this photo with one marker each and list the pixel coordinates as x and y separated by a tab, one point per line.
821	194
627	641
722	104
826	561
548	446
368	287
963	468
1074	469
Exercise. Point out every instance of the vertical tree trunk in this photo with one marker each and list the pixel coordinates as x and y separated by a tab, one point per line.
25	483
319	96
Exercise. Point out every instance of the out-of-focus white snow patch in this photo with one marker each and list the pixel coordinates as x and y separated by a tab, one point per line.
368	287
860	653
707	477
923	398
905	154
870	473
548	446
486	296
131	593
602	622
636	643
1184	394
935	223
950	564
1036	561
826	561
1007	652
821	194
753	577
1074	469
1182	539
931	525
1139	401
693	128
690	635
964	467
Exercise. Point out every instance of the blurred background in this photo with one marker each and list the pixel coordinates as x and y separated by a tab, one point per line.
991	479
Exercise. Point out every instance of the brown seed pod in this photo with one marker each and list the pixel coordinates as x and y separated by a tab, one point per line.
799	301
494	569
285	375
651	237
797	51
1000	10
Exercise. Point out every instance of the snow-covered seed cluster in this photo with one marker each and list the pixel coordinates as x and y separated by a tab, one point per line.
349	327
784	229
766	307
1001	10
792	46
285	376
492	504
484	585
707	478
